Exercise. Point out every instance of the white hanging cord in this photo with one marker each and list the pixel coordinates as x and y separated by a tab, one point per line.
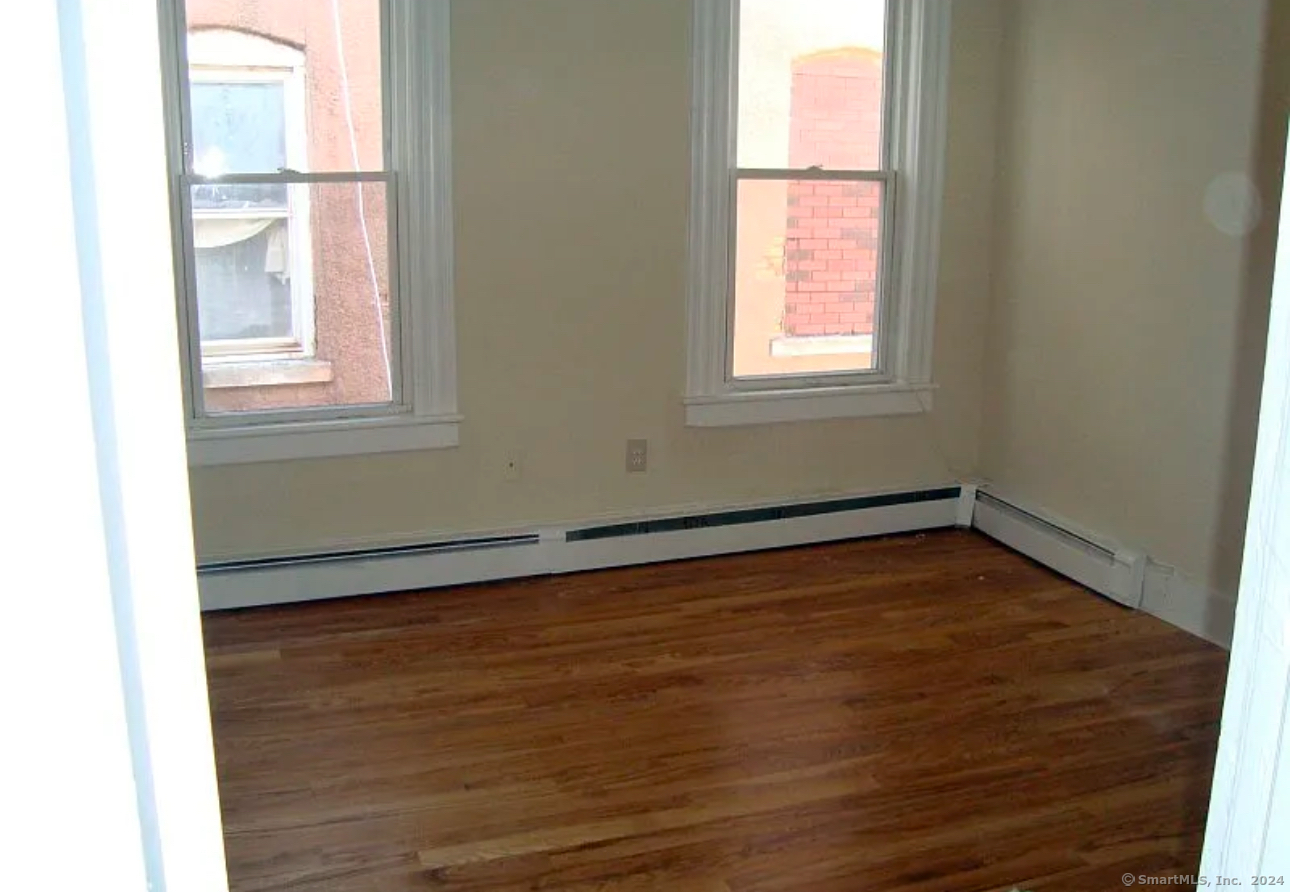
362	205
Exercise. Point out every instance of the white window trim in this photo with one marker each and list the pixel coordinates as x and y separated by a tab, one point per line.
218	56
425	414
918	82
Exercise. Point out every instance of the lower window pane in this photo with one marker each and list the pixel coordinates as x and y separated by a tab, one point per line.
294	310
806	277
241	277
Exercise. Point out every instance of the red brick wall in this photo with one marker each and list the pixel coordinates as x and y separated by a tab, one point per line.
831	242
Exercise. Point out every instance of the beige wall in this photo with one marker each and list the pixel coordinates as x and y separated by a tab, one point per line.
1127	331
571	139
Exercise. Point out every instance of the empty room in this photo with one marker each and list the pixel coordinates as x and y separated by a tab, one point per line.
624	445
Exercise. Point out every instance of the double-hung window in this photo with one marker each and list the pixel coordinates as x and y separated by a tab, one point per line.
818	154
308	149
251	254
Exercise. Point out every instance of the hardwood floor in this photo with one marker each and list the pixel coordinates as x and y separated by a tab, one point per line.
916	713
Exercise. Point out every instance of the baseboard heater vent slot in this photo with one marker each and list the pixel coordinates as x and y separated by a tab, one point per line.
455	546
758	515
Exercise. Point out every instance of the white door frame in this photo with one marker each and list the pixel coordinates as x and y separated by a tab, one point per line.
1248	834
108	770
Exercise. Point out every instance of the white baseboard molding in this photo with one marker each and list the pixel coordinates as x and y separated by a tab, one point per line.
1190	605
1125	575
967	505
573	548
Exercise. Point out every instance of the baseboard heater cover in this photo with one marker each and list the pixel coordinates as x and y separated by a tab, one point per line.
361	571
283	580
478	543
759	515
755	529
1115	573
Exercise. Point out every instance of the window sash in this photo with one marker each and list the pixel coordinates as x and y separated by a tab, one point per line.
815	174
290	177
293	104
886	226
295	99
296	212
885	175
300	347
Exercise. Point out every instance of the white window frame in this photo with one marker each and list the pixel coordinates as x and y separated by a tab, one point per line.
225	57
423	413
917	69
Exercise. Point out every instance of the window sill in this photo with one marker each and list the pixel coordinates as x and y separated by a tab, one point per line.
277	373
778	406
320	439
822	345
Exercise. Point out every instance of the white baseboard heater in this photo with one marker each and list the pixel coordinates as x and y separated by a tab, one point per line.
1110	571
1120	574
361	571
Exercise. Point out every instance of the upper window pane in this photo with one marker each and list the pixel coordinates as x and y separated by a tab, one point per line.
285	83
238	127
811	83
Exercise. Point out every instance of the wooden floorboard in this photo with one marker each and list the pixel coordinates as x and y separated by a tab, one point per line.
928	712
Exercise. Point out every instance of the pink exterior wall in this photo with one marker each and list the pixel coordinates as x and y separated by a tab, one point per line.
345	312
831	238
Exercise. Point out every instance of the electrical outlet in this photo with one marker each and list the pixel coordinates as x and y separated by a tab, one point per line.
514	468
637	456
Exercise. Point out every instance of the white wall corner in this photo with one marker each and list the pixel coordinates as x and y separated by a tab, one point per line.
1129	576
1187	603
967	505
1056	544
